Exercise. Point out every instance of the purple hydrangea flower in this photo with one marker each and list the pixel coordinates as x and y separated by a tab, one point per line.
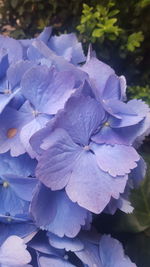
75	120
84	168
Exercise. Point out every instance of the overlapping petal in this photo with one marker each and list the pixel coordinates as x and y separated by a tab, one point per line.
46	89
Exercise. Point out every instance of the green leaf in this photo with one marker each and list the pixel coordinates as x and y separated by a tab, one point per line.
97	33
140	92
134	40
144	3
138	249
110	22
140	199
113	12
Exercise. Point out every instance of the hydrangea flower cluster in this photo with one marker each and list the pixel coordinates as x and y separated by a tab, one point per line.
67	151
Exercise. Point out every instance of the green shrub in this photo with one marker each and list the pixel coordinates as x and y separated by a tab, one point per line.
119	33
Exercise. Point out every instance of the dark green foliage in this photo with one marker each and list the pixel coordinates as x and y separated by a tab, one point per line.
139	220
30	16
141	92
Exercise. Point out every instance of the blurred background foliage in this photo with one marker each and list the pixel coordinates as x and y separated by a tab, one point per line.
118	30
119	33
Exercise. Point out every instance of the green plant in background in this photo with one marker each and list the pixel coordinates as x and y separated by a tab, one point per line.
29	17
119	33
134	41
99	22
140	92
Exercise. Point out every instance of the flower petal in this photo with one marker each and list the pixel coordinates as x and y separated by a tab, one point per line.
117	159
90	187
13	252
112	254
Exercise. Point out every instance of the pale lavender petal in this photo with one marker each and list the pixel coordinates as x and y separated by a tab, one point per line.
13	47
41	244
22	187
80	118
90	187
131	113
112	254
55	262
11	122
13	252
17	70
67	46
89	255
28	130
99	73
56	164
117	159
21	166
47	89
69	244
59	62
112	88
122	136
54	212
45	34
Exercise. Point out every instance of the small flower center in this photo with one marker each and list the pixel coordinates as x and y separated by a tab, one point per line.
66	257
86	148
5	184
9	219
7	91
11	132
107	124
35	113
